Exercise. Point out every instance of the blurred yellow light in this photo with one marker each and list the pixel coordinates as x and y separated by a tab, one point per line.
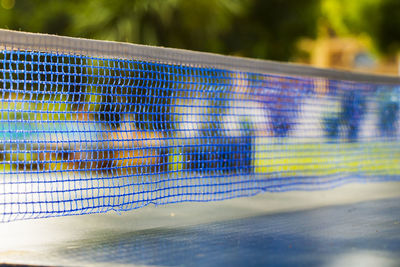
7	4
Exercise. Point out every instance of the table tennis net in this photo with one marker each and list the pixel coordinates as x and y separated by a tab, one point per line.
81	133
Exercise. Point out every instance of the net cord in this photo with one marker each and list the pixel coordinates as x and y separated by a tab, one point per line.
10	40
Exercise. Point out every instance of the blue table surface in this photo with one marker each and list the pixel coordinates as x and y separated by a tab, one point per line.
366	233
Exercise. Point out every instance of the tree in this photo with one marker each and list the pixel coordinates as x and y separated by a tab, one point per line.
388	29
253	28
271	29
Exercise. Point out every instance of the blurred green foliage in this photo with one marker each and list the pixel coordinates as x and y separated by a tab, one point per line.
377	19
253	28
265	29
388	33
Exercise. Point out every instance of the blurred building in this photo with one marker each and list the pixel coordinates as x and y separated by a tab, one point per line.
347	53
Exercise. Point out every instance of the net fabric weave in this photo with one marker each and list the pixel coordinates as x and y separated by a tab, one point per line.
82	134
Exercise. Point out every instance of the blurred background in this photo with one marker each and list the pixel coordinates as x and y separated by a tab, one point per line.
362	35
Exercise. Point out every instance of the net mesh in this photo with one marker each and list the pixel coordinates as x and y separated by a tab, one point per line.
82	134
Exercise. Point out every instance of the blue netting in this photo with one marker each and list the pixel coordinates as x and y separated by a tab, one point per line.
84	134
